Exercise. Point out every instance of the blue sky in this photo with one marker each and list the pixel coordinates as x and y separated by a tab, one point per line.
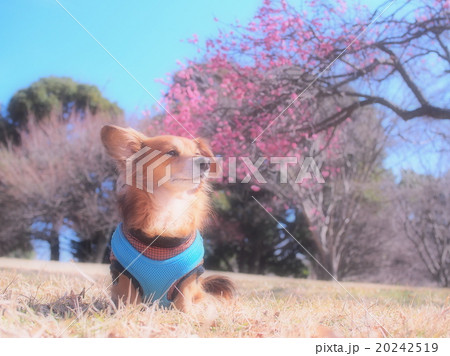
38	38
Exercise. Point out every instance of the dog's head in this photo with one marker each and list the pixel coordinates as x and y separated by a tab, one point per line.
162	163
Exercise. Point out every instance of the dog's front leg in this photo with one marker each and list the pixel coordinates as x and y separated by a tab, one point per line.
124	291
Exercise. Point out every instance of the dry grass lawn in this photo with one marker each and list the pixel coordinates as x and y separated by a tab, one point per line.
49	299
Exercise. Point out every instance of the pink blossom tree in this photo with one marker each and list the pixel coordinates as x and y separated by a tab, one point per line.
250	74
285	83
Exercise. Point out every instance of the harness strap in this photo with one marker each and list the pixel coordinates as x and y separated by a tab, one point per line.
174	290
159	241
174	246
116	269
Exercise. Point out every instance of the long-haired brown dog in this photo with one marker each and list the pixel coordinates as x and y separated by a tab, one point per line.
159	235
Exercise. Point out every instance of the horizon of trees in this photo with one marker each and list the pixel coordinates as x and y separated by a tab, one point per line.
73	187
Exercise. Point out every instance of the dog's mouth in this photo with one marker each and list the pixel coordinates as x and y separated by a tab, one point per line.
191	184
202	176
180	179
184	180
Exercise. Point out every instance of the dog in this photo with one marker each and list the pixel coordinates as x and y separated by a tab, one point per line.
157	250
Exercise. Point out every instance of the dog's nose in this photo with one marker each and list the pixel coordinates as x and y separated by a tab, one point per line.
204	167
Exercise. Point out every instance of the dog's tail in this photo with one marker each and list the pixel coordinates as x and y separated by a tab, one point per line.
219	286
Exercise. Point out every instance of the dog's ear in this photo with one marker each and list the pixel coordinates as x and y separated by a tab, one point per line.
206	151
121	143
204	147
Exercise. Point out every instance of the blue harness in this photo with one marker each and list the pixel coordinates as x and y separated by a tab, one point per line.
156	277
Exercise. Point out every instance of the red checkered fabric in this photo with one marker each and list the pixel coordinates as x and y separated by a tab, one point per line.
155	253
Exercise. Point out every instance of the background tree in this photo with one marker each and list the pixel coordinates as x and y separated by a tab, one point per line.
60	177
243	239
4	128
336	210
54	96
16	231
422	216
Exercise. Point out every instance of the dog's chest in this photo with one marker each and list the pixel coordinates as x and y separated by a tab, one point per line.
175	211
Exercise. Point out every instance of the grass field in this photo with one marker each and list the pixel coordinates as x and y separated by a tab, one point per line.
50	299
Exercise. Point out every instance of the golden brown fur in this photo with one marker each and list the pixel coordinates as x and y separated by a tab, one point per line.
175	209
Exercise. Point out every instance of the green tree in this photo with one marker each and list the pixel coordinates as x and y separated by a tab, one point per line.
243	239
60	95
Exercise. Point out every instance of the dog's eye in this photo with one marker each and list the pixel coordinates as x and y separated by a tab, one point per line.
172	153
